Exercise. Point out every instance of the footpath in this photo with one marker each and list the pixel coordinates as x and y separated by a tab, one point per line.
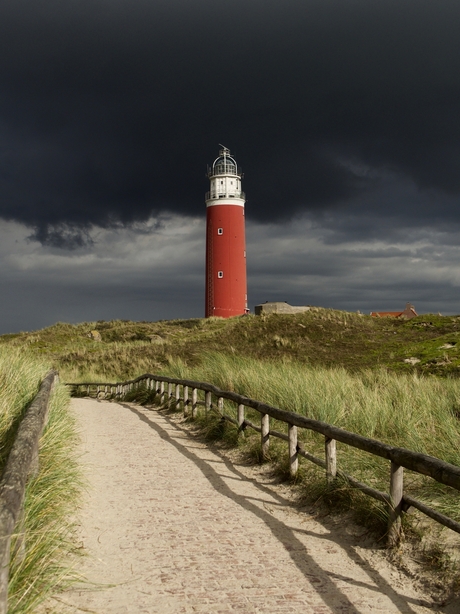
170	525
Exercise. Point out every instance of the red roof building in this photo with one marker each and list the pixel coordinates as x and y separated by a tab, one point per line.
408	313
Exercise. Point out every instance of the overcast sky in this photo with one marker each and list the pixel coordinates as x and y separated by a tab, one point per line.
343	114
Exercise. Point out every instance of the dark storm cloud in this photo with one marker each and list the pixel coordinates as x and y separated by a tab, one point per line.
109	110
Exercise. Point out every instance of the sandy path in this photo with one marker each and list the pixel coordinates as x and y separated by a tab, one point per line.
171	525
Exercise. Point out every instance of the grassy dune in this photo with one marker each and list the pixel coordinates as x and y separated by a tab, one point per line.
417	412
42	544
320	337
343	368
410	411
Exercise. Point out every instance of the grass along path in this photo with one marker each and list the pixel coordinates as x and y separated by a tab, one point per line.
418	413
41	565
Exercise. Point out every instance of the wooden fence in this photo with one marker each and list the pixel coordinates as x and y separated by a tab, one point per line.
395	500
22	461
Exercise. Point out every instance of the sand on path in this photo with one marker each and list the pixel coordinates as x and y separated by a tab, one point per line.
171	525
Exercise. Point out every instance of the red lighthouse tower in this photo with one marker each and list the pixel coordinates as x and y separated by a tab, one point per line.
226	291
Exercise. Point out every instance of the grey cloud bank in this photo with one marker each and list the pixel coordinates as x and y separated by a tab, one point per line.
148	274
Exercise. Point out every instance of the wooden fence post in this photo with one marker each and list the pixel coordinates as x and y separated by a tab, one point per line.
241	419
169	394
220	405
293	457
331	459
162	393
395	507
265	434
207	402
177	396
194	402
185	398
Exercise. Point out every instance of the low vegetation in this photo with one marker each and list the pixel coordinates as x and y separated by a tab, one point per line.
409	411
388	379
319	337
42	544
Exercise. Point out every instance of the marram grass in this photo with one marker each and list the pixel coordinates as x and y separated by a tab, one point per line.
20	378
42	543
415	412
418	413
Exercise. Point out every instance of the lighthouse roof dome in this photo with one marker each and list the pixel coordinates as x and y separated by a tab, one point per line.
224	164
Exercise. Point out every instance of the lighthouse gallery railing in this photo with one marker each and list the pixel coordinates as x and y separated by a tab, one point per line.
210	195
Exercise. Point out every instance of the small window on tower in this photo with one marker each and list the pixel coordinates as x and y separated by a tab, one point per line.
221	183
220	274
220	231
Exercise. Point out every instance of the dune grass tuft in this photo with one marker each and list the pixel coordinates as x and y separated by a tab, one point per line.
42	541
410	411
20	379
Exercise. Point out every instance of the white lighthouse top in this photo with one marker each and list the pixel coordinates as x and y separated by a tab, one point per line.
224	164
225	181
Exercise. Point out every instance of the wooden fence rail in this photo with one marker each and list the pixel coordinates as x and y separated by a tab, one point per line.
399	458
22	461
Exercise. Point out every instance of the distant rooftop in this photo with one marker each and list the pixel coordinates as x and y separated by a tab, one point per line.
408	313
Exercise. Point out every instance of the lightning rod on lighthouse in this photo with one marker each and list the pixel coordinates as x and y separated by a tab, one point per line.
226	288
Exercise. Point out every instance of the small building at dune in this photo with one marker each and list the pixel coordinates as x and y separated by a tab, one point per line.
278	307
408	313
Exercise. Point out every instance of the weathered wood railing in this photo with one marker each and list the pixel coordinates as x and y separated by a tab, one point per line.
22	461
395	500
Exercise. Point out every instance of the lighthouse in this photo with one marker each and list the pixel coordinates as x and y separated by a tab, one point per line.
226	290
